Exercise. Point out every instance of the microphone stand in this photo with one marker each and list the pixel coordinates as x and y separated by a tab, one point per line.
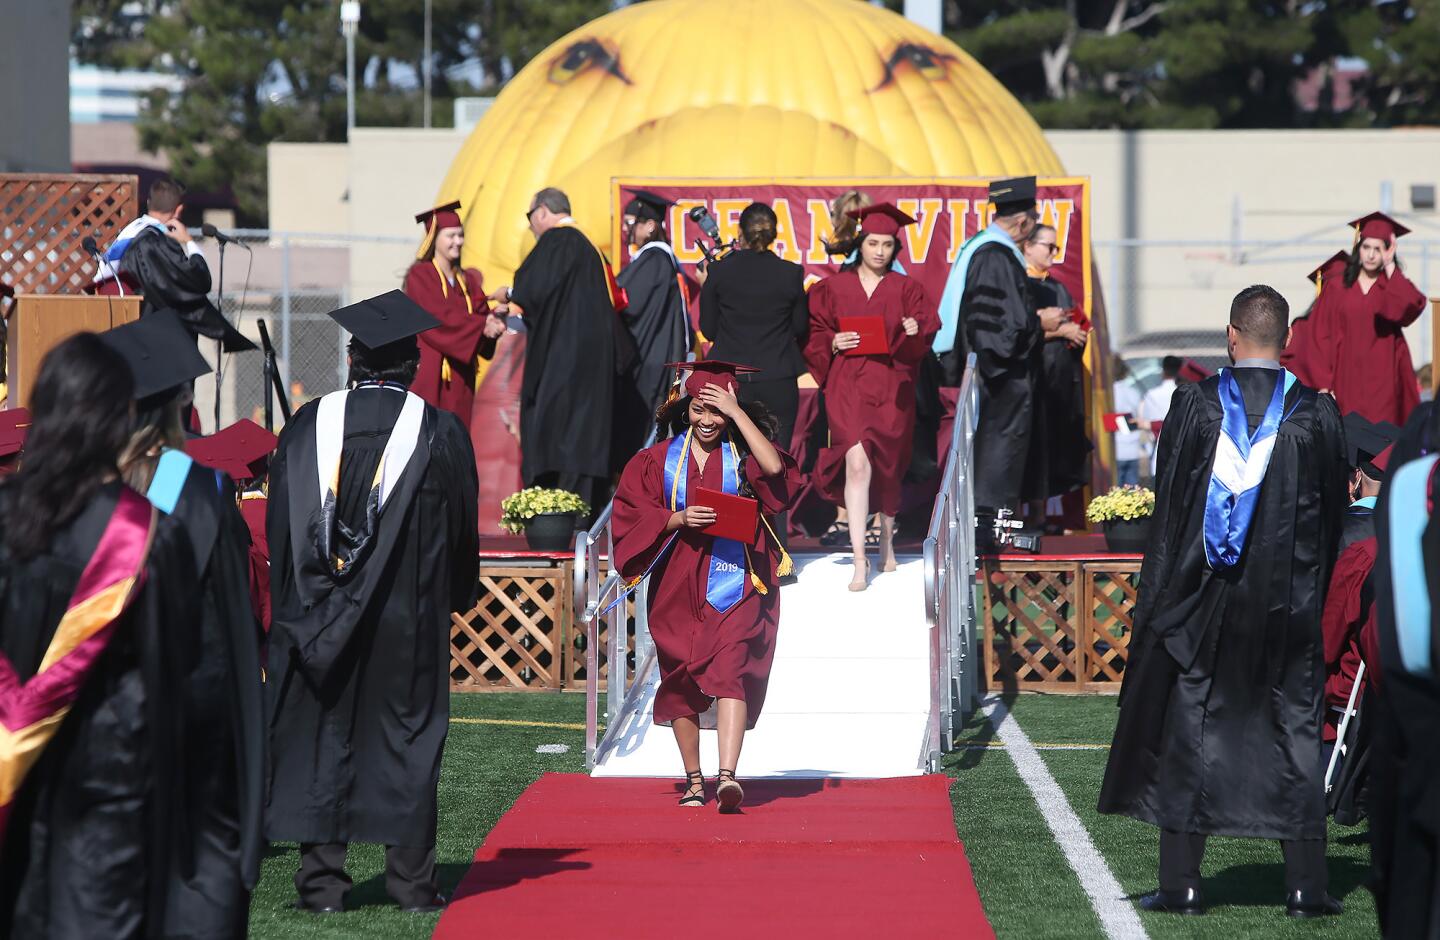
271	381
220	343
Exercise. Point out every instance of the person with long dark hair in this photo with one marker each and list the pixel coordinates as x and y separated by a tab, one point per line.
869	395
224	713
1357	328
714	602
96	634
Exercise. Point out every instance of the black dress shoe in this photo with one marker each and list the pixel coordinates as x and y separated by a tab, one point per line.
437	902
1312	904
298	905
1184	901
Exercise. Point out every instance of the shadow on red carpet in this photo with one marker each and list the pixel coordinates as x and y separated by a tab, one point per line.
806	858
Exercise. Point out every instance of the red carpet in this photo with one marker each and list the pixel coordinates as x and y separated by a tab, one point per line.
577	856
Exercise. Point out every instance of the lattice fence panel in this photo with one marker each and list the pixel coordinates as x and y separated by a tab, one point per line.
1109	622
514	636
44	218
1031	628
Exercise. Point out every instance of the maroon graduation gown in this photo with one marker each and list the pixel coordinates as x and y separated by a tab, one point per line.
458	340
869	400
704	654
1348	608
252	509
1360	351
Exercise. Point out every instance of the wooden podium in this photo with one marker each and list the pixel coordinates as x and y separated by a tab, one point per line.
41	321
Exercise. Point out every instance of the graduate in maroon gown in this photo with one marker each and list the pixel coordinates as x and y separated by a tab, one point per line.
242	452
1300	352
1361	355
714	602
869	398
450	354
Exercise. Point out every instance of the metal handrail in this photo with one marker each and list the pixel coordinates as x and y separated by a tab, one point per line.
950	564
592	596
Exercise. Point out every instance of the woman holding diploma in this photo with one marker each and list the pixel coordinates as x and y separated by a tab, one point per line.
714	600
869	329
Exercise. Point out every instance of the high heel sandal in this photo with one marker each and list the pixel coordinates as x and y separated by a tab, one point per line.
696	778
729	794
862	585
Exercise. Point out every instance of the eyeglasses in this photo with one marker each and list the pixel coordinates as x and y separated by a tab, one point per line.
531	212
1050	247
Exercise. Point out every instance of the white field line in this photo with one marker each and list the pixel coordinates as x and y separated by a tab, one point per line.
1117	916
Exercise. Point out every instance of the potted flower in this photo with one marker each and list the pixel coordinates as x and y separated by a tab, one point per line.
1125	513
547	517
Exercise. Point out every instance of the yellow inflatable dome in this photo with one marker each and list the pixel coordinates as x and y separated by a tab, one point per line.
740	88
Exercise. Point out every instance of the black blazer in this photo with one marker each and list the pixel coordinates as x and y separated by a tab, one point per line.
753	307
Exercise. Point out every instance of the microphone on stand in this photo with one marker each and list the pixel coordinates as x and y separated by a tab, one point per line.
210	231
88	243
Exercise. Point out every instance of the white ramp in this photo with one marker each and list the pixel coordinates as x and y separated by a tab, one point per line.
849	692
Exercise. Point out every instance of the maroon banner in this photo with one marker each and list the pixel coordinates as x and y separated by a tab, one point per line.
942	208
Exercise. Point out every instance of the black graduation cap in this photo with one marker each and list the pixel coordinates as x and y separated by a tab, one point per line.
647	206
385	319
161	353
1013	195
1365	441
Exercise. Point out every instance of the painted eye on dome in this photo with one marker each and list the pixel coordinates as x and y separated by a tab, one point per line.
928	62
584	56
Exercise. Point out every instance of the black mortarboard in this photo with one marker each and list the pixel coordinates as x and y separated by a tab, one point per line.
1365	441
161	353
385	319
1013	195
647	206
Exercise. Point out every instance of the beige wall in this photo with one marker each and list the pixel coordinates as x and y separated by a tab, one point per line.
1286	186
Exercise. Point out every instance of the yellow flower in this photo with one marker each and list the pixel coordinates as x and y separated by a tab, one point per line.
1121	503
518	508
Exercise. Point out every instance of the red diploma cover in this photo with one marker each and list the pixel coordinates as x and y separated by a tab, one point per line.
872	335
735	516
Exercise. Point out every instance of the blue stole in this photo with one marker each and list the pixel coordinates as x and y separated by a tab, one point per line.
955	284
169	479
1241	460
1409	581
726	583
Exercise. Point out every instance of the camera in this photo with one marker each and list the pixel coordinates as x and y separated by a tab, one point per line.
715	248
1009	532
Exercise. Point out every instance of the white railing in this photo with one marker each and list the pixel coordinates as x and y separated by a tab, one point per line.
592	598
950	583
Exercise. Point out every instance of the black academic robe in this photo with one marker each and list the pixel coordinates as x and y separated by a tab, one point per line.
100	827
1067	446
574	358
1403	799
225	717
998	322
171	280
658	320
1220	710
359	684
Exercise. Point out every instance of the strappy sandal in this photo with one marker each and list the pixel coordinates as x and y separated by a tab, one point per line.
855	587
696	778
837	534
729	794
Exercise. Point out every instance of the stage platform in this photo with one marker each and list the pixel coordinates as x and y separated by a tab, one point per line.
849	691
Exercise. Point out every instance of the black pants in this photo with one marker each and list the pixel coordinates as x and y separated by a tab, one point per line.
1181	853
782	397
322	882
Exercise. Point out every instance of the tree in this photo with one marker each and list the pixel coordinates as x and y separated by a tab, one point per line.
257	71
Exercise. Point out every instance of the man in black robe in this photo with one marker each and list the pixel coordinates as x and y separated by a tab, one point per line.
1403	714
656	310
371	526
1063	358
155	256
987	309
1220	712
577	353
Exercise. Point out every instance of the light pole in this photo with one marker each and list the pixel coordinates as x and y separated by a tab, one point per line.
349	23
425	71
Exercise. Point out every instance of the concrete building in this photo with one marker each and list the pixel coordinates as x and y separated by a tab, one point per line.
34	87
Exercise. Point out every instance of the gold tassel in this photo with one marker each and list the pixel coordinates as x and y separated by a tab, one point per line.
786	567
445	370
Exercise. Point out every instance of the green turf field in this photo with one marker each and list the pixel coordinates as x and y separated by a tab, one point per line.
1025	883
